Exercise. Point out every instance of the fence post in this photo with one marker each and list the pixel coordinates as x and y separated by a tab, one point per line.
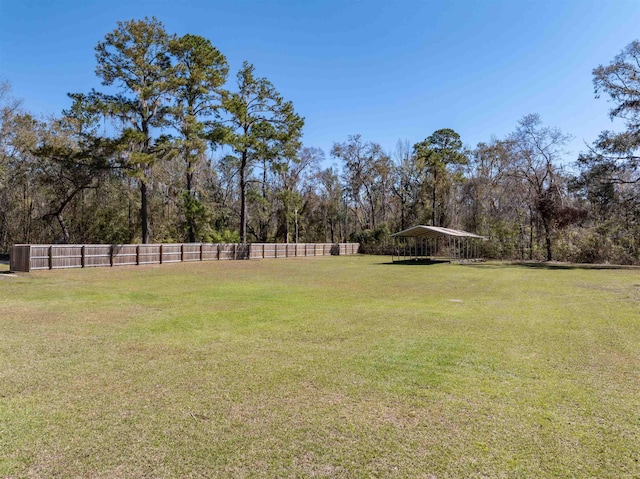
111	255
137	254
200	251
161	253
181	252
50	257
82	256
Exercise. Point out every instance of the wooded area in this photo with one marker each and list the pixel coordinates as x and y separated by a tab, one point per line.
173	151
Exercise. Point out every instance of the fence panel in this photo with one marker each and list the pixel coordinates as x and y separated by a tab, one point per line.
37	257
97	255
227	251
65	256
191	252
148	253
171	253
209	252
40	255
242	251
255	251
124	254
269	250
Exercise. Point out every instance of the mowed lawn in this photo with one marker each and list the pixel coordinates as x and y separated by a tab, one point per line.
320	367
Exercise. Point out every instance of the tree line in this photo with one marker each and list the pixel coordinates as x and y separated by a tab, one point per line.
173	150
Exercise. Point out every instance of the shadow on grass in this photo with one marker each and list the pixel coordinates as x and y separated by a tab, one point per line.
417	262
4	265
553	266
514	264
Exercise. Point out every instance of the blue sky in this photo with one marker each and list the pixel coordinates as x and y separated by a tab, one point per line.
388	70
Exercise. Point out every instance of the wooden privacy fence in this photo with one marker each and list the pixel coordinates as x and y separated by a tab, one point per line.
37	257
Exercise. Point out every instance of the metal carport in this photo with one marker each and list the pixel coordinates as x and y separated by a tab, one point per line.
432	241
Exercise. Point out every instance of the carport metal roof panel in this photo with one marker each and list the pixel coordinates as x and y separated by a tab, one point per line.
421	231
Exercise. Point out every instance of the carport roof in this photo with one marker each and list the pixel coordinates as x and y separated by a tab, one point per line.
421	231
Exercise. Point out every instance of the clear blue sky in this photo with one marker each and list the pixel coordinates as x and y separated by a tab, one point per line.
387	70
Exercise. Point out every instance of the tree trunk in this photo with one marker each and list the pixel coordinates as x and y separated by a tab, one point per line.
286	225
264	221
531	238
144	212
547	238
243	199
190	219
63	227
130	212
434	199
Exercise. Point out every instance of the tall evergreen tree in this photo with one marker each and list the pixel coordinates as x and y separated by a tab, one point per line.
135	58
438	153
201	71
259	126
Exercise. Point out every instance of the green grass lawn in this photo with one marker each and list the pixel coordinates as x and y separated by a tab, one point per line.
323	367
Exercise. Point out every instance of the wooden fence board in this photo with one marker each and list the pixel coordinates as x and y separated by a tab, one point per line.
97	255
171	253
148	254
124	254
209	251
65	256
191	252
40	255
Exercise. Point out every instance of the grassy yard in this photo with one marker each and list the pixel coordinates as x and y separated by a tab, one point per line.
324	367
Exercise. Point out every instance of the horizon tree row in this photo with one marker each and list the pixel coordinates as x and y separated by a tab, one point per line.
170	152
